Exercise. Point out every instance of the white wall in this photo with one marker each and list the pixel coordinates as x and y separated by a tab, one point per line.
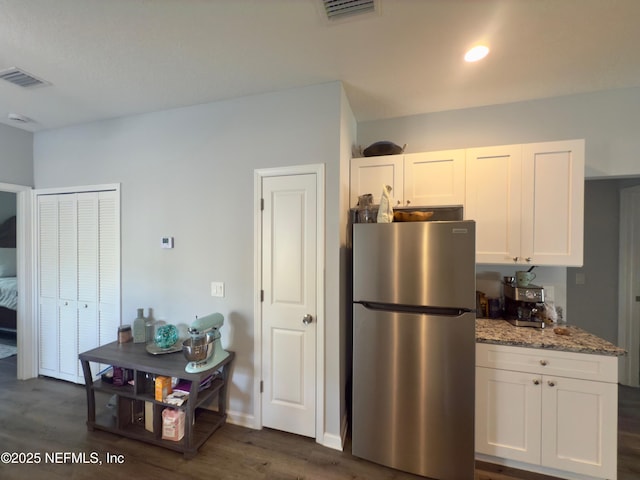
16	156
595	302
188	173
348	133
608	121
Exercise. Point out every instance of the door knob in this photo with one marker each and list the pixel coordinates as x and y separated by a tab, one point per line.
551	383
307	319
536	382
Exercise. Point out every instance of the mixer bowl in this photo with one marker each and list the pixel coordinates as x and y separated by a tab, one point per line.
198	349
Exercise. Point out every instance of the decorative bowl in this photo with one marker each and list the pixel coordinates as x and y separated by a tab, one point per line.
166	336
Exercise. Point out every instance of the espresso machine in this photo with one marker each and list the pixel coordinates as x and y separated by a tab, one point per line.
524	306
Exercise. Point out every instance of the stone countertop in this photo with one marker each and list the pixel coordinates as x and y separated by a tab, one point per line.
501	332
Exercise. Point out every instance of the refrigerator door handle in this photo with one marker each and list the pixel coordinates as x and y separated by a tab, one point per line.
444	311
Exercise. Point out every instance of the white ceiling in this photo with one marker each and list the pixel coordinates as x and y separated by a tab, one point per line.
111	58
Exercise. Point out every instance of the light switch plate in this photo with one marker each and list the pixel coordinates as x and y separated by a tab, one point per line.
217	289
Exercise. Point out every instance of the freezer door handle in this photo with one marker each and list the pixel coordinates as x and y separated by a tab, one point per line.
307	319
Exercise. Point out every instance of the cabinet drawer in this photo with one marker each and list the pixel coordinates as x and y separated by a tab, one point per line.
548	362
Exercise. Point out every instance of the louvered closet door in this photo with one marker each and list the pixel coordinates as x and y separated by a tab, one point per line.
48	285
68	287
87	306
108	272
79	267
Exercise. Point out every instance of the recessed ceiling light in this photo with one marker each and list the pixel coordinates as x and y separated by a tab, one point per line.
476	53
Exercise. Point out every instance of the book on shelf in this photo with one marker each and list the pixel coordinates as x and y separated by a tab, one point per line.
185	385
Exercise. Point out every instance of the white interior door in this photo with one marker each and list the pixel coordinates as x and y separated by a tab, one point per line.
289	306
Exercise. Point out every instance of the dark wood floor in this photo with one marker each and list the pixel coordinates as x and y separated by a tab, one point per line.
45	415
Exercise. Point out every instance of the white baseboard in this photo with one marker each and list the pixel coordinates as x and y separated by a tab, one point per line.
337	442
242	420
329	440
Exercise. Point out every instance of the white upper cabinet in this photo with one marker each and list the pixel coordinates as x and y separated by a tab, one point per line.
434	178
528	202
493	200
416	179
369	174
553	203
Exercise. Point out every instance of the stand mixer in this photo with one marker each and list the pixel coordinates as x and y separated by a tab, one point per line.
204	349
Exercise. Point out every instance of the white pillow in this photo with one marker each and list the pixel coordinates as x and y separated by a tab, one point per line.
8	262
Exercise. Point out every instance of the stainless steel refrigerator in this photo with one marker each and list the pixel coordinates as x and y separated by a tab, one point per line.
414	346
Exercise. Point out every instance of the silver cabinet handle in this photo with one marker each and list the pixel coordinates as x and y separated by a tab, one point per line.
307	319
515	259
408	202
528	259
86	306
536	382
543	363
551	383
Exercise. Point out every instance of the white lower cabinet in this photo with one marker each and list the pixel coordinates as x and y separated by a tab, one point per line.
547	411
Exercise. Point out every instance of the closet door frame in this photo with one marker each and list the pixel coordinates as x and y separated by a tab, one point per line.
115	187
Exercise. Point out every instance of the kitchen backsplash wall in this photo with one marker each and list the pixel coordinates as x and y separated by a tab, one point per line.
553	279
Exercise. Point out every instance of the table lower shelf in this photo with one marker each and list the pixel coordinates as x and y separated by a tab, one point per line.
206	423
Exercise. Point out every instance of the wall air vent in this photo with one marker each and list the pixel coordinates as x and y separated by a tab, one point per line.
21	78
339	9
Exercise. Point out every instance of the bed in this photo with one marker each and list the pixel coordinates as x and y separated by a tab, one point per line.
8	302
8	280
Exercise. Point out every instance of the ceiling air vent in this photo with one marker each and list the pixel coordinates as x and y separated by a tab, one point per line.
339	9
21	78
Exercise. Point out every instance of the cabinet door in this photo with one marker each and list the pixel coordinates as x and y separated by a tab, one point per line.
508	414
369	174
553	203
493	200
579	432
434	178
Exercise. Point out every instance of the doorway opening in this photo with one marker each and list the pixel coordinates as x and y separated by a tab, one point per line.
15	249
8	283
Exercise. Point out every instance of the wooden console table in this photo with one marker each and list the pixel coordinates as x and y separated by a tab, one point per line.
199	423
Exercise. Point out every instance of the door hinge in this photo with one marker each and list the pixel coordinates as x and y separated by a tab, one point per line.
261	386
262	295
262	204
